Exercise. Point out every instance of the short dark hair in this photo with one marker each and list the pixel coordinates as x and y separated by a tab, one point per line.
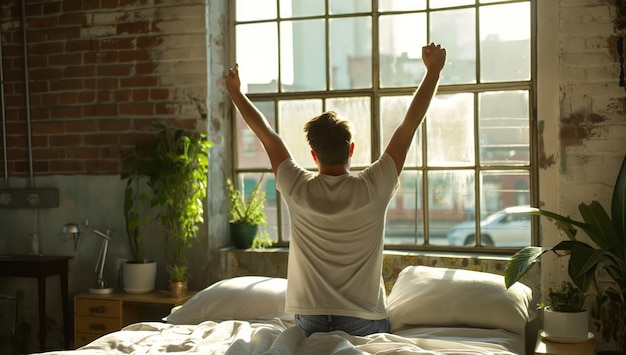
330	137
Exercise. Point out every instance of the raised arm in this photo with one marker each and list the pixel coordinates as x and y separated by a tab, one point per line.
434	58
273	144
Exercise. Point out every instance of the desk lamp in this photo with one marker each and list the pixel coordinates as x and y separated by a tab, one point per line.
73	230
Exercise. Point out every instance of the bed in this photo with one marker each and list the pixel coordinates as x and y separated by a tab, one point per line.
432	311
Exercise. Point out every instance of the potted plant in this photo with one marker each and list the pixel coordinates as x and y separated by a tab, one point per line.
608	256
247	217
178	178
564	314
138	273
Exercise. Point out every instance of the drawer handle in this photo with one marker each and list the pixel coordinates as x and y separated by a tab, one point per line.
97	326
98	309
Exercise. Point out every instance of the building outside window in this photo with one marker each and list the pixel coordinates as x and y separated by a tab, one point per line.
473	155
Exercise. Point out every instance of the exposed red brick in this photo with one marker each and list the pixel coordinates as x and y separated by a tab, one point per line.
159	94
144	81
64	59
72	19
63	33
134	109
141	95
145	68
116	125
79	71
146	42
133	56
48	128
49	153
83	153
65	112
66	166
72	5
118	43
69	140
80	45
66	84
81	126
115	70
101	139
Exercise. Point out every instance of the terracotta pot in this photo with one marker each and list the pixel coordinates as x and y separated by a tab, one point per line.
178	288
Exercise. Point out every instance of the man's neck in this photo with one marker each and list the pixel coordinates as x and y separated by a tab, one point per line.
335	170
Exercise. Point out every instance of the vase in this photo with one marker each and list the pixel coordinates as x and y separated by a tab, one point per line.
243	234
178	289
139	277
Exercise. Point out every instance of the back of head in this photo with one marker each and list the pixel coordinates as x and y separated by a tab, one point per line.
330	137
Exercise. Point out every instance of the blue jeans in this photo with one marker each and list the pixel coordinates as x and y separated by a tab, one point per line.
350	325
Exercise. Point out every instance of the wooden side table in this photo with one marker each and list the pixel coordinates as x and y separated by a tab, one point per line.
96	315
547	347
41	267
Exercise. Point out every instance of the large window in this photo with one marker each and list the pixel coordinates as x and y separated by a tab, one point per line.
471	158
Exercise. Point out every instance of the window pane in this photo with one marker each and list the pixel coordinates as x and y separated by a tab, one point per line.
456	31
505	42
392	111
257	55
251	10
351	53
438	4
450	130
401	55
247	182
303	53
292	116
504	128
350	6
291	8
450	202
250	151
394	5
357	110
405	216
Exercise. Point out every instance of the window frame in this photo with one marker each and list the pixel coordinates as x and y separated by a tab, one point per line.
375	93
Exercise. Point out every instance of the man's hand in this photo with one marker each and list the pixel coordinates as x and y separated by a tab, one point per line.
231	80
434	57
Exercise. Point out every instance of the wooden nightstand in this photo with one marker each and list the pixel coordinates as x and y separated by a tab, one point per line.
96	315
546	347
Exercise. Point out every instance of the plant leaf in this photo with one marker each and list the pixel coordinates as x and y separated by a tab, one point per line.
520	263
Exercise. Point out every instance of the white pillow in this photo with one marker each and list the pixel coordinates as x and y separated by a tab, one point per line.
244	298
430	296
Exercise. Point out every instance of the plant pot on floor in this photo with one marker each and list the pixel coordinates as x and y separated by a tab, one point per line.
565	326
139	277
243	234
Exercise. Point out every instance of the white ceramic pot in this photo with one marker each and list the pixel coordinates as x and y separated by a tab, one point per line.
139	277
566	325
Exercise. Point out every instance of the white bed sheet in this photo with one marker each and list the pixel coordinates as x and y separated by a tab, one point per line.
280	337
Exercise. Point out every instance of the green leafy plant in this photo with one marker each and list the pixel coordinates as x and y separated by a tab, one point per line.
608	255
249	211
178	178
566	298
135	162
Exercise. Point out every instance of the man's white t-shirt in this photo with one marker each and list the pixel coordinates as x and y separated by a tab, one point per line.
337	239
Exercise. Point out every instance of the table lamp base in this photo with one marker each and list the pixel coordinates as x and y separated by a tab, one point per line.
100	291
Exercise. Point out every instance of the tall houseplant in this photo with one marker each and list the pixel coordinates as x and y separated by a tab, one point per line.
139	273
178	178
246	216
608	255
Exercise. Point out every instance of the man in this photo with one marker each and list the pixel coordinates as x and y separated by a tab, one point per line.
337	219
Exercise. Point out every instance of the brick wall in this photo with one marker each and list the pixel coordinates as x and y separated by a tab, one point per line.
100	74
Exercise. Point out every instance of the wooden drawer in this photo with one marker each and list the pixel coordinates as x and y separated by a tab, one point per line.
98	308
81	339
96	325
